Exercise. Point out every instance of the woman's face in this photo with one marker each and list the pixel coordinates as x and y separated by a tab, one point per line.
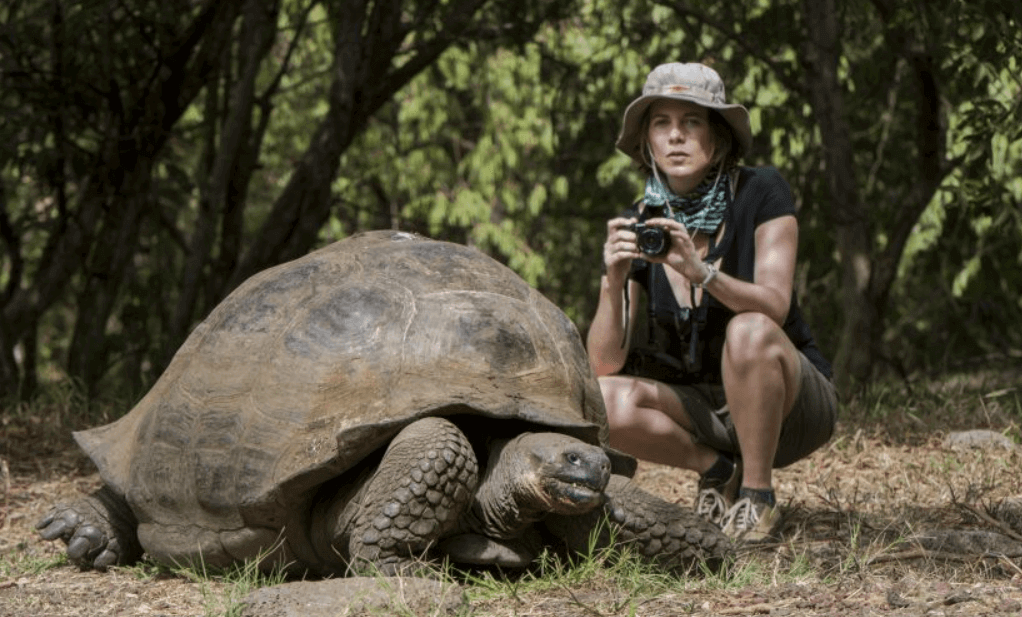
682	142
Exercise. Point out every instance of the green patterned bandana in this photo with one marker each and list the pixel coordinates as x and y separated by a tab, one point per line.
700	210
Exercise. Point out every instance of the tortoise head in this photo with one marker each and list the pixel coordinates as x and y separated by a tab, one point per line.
566	475
550	472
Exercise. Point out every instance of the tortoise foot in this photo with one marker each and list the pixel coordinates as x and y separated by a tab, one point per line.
99	531
662	533
420	489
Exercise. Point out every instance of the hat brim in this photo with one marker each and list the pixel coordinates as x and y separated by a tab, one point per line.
628	141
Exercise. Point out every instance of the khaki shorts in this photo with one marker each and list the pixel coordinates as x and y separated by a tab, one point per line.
809	425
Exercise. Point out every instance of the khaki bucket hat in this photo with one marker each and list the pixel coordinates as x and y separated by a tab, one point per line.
693	82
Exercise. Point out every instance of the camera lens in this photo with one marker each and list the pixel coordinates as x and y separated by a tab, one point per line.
653	241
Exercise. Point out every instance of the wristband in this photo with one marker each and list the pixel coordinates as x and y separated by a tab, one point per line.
709	277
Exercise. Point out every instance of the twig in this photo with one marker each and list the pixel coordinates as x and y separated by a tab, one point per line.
922	553
990	520
581	604
763	608
5	475
1010	563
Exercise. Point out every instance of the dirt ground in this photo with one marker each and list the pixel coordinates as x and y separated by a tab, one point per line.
890	518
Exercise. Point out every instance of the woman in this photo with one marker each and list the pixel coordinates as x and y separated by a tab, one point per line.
743	388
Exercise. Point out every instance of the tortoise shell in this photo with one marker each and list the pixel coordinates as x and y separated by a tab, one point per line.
309	367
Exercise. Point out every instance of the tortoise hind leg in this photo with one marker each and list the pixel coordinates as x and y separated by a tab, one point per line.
663	533
417	494
99	530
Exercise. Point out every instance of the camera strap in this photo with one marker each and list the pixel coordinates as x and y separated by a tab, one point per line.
651	306
698	314
695	319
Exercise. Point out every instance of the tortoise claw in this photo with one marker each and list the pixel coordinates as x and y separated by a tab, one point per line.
58	523
105	559
51	528
99	530
86	542
46	521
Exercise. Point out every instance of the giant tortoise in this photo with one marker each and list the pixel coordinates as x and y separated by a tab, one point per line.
385	400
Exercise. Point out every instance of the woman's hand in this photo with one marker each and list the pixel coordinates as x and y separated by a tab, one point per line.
682	254
620	248
769	292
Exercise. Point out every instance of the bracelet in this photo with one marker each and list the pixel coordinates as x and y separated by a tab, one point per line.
709	277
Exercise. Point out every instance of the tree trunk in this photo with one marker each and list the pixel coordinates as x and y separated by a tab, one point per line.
258	30
367	37
10	377
112	252
860	330
931	165
120	188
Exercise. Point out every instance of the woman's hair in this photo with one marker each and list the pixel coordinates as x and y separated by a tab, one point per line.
724	150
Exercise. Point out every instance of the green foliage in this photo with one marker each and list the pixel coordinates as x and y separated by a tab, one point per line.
505	142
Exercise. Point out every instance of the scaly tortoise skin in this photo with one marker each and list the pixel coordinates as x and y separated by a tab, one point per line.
380	401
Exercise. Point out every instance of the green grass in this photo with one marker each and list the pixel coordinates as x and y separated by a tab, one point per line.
19	564
629	581
634	580
223	589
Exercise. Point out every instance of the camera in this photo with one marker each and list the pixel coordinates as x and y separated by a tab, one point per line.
653	241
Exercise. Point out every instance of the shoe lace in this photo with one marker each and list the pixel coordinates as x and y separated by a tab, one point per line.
711	505
742	516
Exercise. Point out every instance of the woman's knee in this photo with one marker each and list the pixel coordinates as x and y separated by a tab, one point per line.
758	351
622	398
752	338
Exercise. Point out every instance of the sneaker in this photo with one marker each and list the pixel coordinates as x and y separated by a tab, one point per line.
751	521
715	498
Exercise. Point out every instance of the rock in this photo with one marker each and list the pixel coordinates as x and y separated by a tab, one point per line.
967	542
1009	512
979	438
352	597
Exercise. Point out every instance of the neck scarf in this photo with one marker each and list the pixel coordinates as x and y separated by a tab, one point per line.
702	209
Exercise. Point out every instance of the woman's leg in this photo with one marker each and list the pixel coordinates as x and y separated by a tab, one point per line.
761	373
648	421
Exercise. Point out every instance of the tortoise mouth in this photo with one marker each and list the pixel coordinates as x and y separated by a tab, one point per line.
573	496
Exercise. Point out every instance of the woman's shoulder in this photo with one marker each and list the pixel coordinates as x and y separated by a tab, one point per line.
761	177
765	192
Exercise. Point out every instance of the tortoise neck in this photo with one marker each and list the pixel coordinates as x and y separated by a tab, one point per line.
501	506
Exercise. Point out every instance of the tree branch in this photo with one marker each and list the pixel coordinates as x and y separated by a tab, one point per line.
783	73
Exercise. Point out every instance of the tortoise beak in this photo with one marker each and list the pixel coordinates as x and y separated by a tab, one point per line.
576	478
586	465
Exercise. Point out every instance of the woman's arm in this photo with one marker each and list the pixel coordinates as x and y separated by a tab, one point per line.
610	332
609	336
774	273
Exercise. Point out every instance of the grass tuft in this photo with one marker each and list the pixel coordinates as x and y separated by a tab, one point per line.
223	589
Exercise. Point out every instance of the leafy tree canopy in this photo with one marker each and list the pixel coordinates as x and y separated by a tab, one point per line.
152	157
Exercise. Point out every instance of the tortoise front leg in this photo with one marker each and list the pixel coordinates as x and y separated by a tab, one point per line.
423	484
99	530
663	533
